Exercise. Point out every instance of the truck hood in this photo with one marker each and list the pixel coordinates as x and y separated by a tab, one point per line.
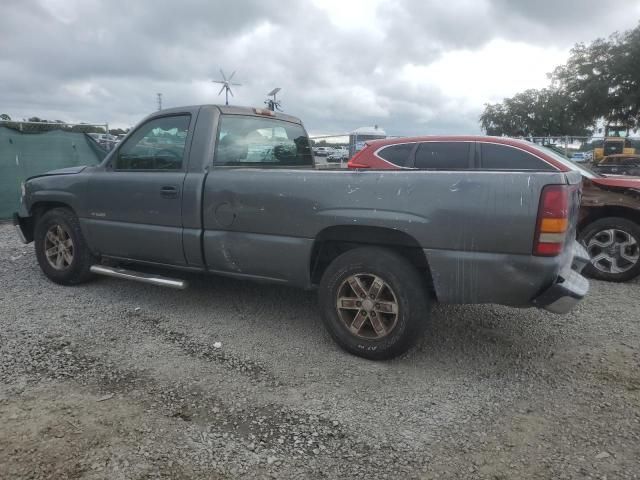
619	182
61	171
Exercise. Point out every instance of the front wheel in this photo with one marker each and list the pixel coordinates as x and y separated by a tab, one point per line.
613	244
374	302
61	250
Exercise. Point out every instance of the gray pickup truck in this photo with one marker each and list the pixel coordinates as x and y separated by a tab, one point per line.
233	191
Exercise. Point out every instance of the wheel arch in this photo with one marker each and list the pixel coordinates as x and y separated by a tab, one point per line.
36	211
598	213
335	240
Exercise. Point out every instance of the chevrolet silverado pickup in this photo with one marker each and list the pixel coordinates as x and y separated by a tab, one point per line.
233	191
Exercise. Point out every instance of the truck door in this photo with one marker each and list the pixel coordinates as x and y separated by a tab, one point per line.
135	206
243	209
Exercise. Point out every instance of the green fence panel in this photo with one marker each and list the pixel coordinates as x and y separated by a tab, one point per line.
23	155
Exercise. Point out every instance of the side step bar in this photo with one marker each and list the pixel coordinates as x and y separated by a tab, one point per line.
139	276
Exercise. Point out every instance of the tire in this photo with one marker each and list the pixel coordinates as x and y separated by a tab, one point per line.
75	263
607	240
369	267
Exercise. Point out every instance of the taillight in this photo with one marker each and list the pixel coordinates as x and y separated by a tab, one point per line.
353	161
553	221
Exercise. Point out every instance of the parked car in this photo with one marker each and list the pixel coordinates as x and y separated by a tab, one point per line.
579	157
619	164
609	225
322	151
338	155
240	197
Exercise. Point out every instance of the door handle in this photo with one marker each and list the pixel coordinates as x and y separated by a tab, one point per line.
169	191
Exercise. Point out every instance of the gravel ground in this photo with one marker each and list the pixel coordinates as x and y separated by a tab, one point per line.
114	379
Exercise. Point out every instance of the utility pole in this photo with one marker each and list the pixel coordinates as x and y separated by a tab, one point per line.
159	101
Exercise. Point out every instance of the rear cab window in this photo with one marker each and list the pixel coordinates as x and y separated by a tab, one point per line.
247	141
504	157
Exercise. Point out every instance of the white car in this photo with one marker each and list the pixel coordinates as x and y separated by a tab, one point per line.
322	151
338	155
579	157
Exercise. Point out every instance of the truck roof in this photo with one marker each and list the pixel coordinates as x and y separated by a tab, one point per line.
228	110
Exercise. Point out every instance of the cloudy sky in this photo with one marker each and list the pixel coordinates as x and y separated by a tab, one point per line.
411	66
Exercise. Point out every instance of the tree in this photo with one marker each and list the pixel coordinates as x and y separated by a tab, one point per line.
4	116
600	80
533	113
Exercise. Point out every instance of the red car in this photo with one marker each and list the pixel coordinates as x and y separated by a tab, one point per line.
610	209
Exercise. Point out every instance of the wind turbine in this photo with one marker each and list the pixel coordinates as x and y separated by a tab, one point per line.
226	85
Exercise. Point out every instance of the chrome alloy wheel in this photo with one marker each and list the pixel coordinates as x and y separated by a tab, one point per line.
58	247
613	250
368	306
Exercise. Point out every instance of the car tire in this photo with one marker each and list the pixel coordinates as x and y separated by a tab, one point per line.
61	250
367	324
607	240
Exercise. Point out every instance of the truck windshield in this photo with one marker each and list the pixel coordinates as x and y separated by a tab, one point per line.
261	142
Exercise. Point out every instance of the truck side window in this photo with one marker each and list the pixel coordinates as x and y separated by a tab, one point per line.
443	155
503	157
156	145
397	154
245	141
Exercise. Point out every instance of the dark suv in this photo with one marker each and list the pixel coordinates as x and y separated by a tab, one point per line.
620	164
609	225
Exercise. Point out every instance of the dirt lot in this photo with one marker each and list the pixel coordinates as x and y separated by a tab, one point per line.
118	380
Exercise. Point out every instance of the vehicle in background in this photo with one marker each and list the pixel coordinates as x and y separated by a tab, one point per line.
620	164
105	140
322	151
614	143
233	191
609	225
579	157
338	155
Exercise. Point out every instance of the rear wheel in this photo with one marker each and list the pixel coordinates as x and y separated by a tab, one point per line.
613	244
374	302
61	250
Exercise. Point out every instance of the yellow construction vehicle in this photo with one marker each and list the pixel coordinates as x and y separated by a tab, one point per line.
614	143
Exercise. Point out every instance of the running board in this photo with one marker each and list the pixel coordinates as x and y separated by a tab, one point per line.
139	277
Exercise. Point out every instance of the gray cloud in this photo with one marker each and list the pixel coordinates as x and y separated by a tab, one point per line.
93	60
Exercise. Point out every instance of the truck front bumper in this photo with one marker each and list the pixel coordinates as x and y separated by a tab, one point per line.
569	288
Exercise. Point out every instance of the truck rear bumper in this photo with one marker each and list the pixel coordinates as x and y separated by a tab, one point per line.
468	277
569	288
